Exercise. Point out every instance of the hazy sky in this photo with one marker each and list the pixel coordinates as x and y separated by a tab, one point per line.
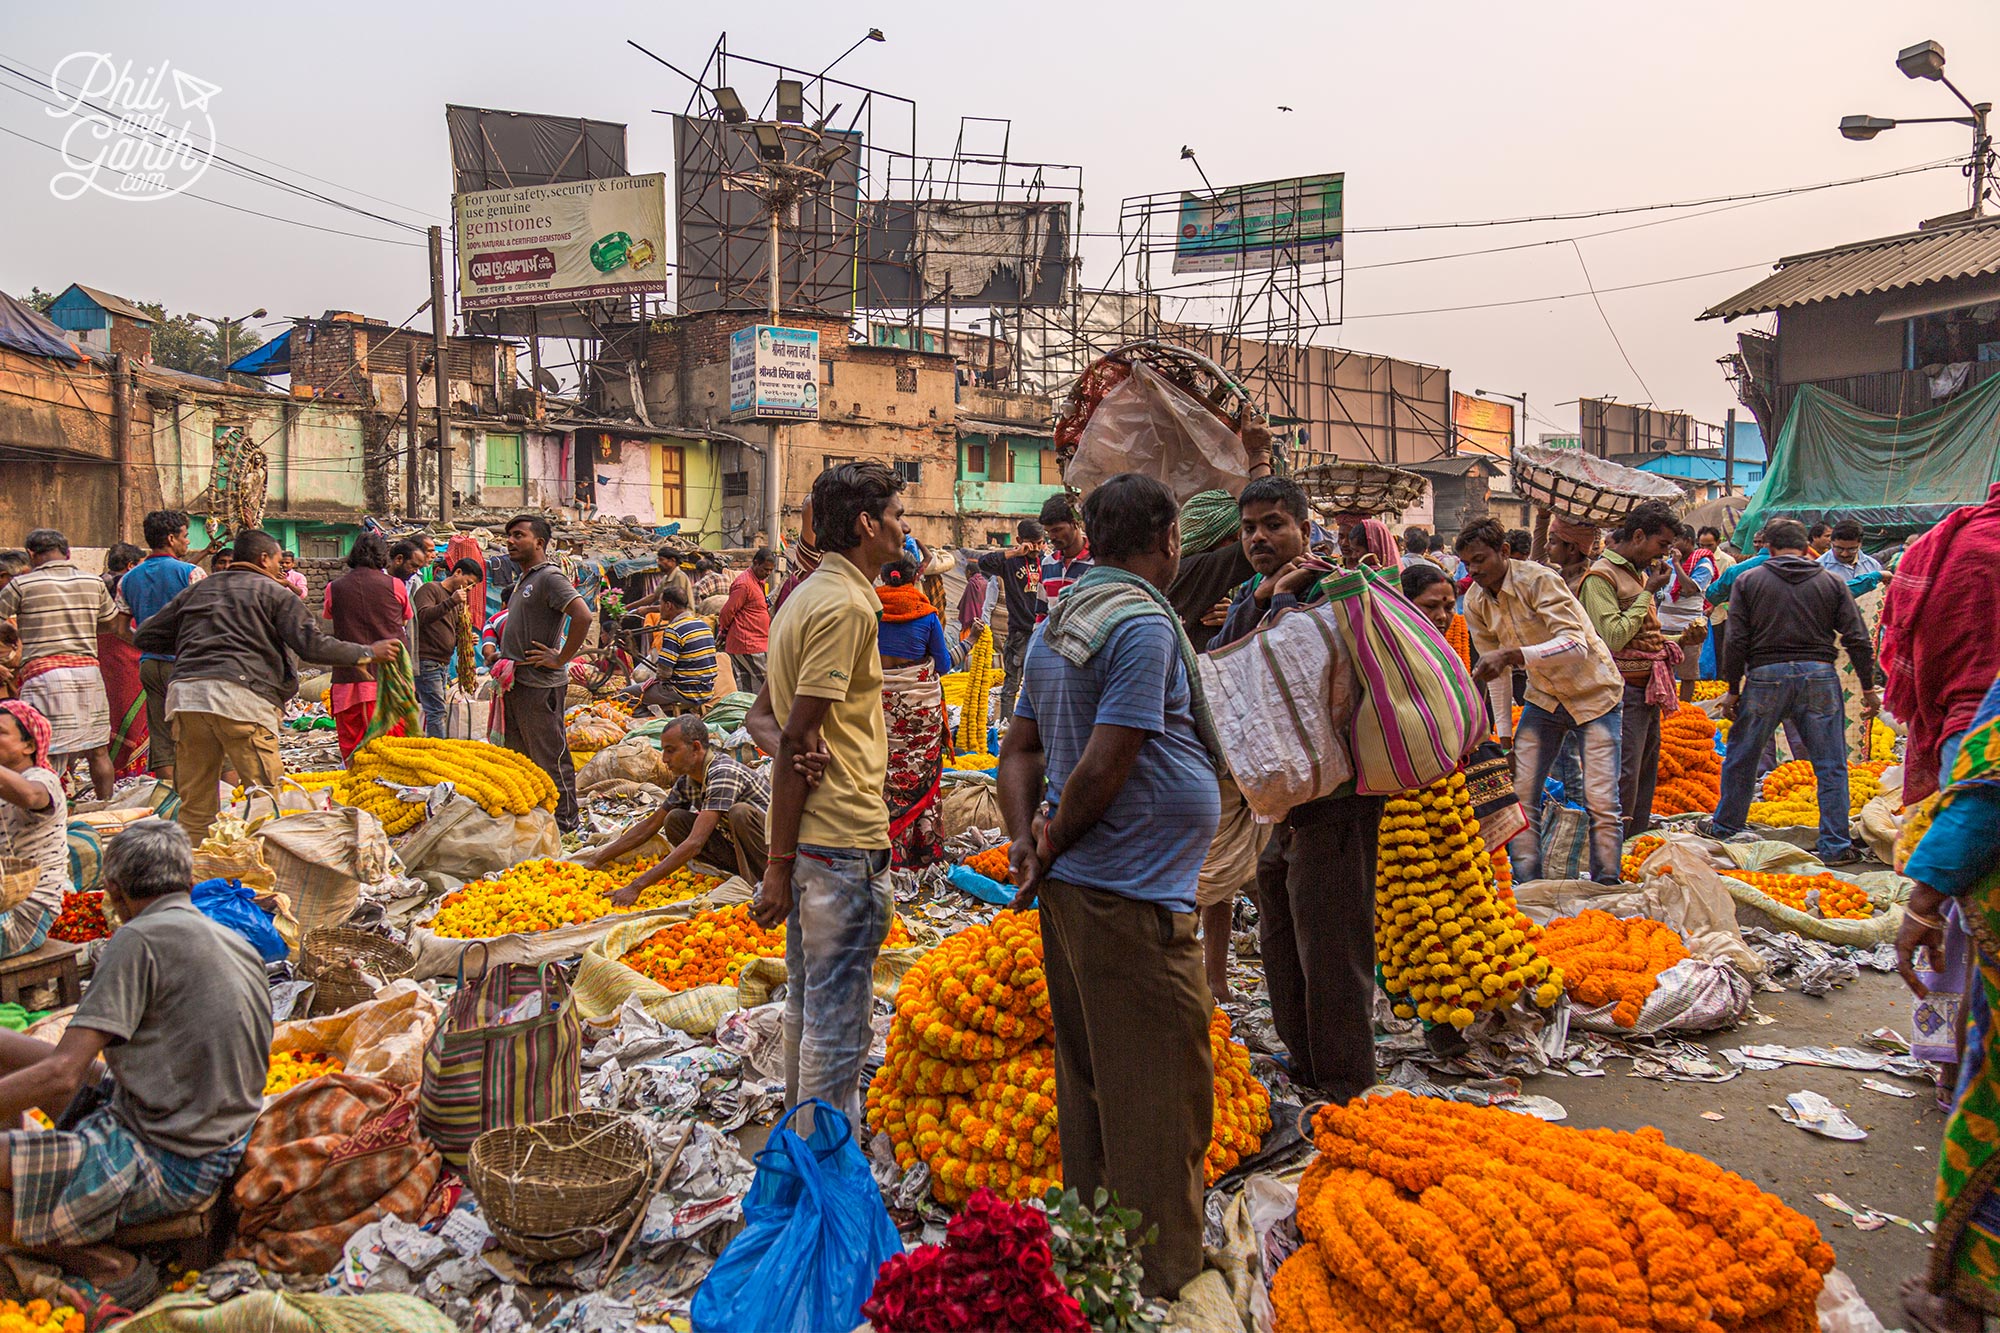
1437	111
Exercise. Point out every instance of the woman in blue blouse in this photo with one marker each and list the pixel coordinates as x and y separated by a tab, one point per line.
915	653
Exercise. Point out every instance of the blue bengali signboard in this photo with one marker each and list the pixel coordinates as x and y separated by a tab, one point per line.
774	374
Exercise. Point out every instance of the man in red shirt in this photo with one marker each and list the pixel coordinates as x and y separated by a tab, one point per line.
745	622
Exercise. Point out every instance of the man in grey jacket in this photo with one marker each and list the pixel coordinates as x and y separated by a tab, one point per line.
1784	616
228	635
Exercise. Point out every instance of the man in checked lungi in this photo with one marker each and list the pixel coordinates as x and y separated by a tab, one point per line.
179	1013
59	610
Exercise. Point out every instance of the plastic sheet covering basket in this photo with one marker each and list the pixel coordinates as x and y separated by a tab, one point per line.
339	962
558	1176
1587	488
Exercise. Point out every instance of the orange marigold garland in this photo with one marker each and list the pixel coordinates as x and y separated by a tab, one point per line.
1423	1214
1611	960
968	1084
1448	945
1690	770
993	864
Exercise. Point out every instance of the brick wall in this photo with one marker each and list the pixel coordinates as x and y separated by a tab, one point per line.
131	338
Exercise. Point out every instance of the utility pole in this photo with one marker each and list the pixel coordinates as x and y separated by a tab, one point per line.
774	456
121	439
439	375
1729	452
412	470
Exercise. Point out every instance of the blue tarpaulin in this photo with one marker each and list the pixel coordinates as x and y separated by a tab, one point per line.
25	331
273	358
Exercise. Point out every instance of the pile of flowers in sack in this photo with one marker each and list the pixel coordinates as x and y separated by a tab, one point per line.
1424	1214
711	948
542	894
968	1087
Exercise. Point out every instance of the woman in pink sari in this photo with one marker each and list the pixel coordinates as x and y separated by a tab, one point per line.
118	662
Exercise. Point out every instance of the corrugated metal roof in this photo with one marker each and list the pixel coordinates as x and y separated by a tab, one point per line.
117	305
1968	250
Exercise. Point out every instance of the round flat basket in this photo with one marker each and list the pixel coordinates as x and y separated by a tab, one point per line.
1365	488
334	959
18	877
575	1242
1587	488
559	1176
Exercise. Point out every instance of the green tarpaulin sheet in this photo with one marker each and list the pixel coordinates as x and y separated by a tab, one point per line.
1896	475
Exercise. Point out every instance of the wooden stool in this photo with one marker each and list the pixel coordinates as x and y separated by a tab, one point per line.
54	961
196	1239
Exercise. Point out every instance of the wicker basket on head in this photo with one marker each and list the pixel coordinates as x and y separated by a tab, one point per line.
1587	488
18	877
334	959
1342	485
560	1176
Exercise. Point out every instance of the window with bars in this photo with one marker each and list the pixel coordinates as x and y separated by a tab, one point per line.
735	485
975	460
911	470
906	379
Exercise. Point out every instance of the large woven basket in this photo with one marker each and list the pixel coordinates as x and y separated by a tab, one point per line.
18	877
334	958
1587	488
575	1242
544	1180
1365	488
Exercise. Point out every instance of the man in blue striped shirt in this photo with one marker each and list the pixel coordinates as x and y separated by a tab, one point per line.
684	668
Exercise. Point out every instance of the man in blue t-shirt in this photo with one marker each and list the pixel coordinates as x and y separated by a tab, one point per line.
144	589
1109	789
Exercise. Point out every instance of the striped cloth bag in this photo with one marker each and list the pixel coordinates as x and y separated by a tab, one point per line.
508	1052
1420	713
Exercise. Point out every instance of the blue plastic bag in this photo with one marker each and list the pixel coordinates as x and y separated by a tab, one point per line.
227	903
962	876
814	1233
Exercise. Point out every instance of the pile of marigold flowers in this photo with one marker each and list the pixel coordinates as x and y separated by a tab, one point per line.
547	895
1791	793
288	1070
1611	960
976	712
1837	899
38	1316
1690	769
82	918
1635	856
493	777
710	948
1448	946
1423	1214
993	864
969	1085
1705	690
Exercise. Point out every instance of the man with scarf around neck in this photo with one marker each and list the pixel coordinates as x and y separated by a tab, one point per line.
1108	787
1316	877
1619	595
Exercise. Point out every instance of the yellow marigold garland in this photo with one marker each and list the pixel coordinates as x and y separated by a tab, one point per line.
1424	1214
495	778
968	1086
710	948
1448	946
291	1068
975	713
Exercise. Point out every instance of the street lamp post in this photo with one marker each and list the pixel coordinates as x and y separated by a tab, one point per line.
1925	60
225	329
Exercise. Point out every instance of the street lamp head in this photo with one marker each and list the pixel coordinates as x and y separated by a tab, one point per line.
730	105
1925	60
791	99
875	35
770	144
258	313
1187	153
1862	128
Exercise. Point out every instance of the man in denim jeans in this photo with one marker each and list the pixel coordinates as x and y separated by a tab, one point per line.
439	607
1521	614
1778	665
820	716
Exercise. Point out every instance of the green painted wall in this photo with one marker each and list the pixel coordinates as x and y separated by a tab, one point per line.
1021	498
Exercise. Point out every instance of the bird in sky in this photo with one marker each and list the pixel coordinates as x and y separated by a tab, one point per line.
1284	108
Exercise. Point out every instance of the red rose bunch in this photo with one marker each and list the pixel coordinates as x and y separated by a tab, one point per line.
993	1271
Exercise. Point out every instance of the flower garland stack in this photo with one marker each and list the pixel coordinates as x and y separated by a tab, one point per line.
1448	946
496	779
969	1086
975	714
1791	793
1690	769
1423	1214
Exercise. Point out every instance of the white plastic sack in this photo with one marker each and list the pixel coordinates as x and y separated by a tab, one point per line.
1694	995
1842	1309
1692	899
466	716
1144	424
1283	701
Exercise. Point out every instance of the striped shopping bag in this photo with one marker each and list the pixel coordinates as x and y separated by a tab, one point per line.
509	1051
1420	714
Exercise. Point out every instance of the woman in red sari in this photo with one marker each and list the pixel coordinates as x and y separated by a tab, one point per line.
915	653
118	661
364	600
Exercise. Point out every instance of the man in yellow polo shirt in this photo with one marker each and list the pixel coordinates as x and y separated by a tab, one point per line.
820	716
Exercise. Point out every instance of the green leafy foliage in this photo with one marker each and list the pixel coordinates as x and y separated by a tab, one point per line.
1096	1247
